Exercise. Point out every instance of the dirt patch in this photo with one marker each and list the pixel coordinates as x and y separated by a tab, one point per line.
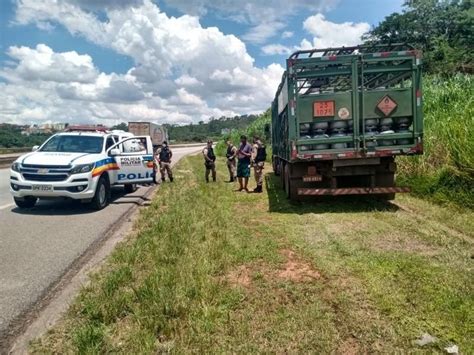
297	270
348	347
240	276
294	269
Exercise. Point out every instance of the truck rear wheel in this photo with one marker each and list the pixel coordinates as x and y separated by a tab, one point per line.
26	202
275	166
102	193
385	180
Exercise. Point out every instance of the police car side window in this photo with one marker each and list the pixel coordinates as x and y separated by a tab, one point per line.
110	142
135	146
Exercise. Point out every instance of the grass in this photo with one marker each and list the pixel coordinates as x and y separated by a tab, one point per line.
210	270
445	173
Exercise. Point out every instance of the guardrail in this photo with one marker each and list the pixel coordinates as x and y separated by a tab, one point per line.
7	159
15	150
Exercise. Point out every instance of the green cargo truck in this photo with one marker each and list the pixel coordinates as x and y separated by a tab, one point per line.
340	117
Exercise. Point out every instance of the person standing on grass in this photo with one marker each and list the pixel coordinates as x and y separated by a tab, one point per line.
165	154
231	165
259	155
243	167
209	161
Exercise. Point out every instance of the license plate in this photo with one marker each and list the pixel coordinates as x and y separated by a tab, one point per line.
323	108
312	178
42	187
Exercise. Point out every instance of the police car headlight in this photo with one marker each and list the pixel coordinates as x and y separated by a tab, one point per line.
83	168
16	167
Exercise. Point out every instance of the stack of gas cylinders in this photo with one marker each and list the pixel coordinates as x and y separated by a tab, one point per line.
343	128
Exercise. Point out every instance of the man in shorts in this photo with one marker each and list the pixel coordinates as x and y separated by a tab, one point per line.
243	166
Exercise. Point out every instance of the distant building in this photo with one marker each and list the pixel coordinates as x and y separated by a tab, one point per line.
225	131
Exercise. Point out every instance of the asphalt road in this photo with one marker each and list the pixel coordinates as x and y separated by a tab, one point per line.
37	246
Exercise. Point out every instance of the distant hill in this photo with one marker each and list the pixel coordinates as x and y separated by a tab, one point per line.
213	129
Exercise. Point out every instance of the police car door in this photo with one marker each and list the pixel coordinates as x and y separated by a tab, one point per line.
134	159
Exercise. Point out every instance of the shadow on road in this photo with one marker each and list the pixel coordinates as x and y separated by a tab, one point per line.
66	207
324	204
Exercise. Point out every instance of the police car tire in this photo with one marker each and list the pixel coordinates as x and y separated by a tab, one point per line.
130	188
99	202
27	202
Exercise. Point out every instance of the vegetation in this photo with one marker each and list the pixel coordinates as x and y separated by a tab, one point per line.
253	273
442	29
11	137
446	171
213	129
259	127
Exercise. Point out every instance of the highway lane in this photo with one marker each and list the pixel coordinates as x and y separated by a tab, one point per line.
5	197
37	246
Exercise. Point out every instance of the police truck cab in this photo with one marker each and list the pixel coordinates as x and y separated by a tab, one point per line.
82	165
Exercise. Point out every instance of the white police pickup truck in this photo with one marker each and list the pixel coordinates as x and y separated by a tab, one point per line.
82	166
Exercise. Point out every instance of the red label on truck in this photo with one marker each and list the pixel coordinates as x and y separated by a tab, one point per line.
387	105
323	109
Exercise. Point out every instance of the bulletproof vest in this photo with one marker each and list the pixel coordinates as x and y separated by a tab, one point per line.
229	152
210	154
261	154
165	154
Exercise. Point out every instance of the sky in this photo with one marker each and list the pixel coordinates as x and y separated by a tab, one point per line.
167	61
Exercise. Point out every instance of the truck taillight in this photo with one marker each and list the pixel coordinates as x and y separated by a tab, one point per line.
418	97
294	151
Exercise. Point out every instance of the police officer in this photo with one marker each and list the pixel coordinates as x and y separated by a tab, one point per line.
209	161
231	160
165	154
259	155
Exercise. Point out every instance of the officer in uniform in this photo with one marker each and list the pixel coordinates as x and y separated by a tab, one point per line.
259	155
231	160
165	154
209	161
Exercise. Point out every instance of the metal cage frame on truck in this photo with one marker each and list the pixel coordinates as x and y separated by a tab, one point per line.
335	87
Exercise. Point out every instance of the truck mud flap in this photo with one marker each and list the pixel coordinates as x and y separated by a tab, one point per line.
352	191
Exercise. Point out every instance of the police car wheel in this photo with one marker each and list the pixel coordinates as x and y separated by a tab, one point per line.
130	188
101	196
26	202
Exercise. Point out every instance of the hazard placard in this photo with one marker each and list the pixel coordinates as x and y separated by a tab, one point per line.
387	105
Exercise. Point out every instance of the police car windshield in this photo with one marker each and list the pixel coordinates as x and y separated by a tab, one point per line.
74	144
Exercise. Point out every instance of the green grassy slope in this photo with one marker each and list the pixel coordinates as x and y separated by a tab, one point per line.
211	270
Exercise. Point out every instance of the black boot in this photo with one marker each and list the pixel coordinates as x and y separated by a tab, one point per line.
171	179
258	189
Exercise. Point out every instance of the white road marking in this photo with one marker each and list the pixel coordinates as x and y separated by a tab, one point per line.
6	206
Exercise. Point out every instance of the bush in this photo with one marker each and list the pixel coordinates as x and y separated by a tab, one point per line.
256	128
446	171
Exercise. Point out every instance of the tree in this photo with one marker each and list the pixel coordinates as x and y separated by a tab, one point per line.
121	126
442	29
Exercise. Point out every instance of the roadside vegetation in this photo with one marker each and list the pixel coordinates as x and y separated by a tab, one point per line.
210	270
445	173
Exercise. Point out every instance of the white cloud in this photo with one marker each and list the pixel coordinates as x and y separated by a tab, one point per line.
182	71
287	34
326	34
265	19
276	49
263	31
42	63
331	34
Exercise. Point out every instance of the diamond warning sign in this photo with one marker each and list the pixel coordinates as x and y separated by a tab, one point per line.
387	105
